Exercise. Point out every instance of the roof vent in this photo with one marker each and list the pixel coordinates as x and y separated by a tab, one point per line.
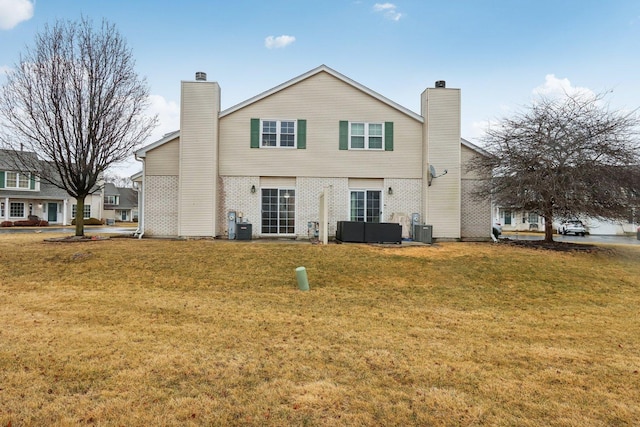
201	77
441	83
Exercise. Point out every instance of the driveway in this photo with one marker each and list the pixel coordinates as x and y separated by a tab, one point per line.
593	239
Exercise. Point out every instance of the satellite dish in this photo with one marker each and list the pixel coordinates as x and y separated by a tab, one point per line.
433	174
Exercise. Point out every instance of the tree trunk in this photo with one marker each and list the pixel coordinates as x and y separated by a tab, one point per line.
548	228
80	216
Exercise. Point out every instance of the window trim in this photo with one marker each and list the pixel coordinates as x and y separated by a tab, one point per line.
279	133
279	221
25	176
365	191
111	200
367	136
74	210
11	204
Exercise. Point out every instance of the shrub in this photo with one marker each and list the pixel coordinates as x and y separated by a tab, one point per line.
31	223
90	221
6	224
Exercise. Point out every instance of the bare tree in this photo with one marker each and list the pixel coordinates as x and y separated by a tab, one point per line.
562	158
75	101
119	181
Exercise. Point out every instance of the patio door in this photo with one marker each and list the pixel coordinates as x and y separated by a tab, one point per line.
365	205
52	212
278	211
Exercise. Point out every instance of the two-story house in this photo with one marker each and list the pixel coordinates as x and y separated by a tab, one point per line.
23	195
320	147
120	203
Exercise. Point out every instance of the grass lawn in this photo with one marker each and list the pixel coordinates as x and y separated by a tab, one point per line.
152	332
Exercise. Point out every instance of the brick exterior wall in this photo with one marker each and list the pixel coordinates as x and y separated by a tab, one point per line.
235	194
406	197
476	214
161	206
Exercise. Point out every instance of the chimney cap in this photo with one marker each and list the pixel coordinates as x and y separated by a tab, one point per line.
201	76
441	83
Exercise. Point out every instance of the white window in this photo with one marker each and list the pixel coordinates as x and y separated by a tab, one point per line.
87	211
278	133
365	205
111	200
16	210
366	136
1	210
17	180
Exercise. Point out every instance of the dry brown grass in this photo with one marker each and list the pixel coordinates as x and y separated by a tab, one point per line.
128	332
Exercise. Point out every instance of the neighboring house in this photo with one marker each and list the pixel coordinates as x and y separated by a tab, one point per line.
23	195
518	220
120	203
599	227
318	146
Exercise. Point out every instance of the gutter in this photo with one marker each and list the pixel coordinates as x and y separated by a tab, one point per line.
140	230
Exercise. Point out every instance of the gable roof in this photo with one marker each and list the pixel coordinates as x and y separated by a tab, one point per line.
128	198
9	159
474	147
332	72
110	189
142	152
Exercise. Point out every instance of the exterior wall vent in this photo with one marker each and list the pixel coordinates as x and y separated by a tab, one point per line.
441	83
201	77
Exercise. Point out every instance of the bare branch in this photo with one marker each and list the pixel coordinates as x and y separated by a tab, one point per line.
564	157
75	101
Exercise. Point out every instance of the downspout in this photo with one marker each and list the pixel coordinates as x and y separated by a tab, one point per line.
140	231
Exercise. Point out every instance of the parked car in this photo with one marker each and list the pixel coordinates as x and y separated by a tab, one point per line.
572	227
497	229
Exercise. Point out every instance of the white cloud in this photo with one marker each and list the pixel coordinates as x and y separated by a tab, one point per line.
168	113
272	42
13	12
389	10
4	69
554	86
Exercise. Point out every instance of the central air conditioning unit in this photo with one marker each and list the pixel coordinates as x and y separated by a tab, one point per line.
423	233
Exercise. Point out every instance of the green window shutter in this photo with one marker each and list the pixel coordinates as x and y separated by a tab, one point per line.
1	179
302	134
255	133
344	135
388	136
32	182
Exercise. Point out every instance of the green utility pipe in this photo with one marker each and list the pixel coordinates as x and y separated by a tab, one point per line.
303	281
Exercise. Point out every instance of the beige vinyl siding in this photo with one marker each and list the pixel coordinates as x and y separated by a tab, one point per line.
163	160
366	183
443	152
277	181
333	101
200	106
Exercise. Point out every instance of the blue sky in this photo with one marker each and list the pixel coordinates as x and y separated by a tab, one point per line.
500	53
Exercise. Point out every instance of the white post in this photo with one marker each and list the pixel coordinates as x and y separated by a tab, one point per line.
324	217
